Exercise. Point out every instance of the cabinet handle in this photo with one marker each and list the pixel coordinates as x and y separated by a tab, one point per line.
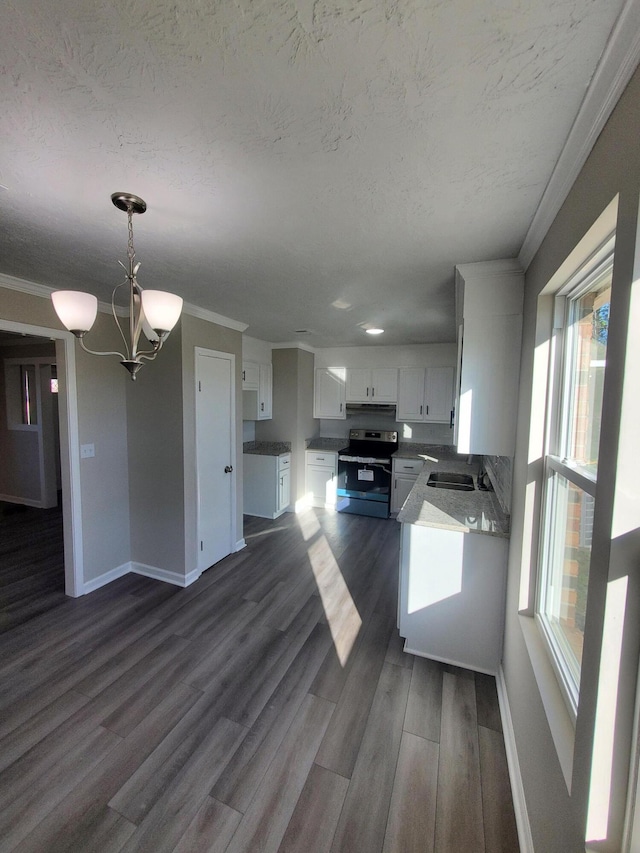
243	376
427	412
453	411
340	406
373	392
367	391
420	409
262	407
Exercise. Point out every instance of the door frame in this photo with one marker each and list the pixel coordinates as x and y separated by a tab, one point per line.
69	449
231	358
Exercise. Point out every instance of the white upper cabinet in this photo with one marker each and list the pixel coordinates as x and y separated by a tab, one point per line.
329	393
438	394
250	376
425	395
257	391
489	299
375	385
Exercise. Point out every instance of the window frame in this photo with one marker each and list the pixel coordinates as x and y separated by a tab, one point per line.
557	443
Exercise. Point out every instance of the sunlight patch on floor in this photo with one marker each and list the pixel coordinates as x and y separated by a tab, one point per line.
342	614
308	524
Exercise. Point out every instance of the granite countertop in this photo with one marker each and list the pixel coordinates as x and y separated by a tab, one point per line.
412	450
266	448
332	445
447	509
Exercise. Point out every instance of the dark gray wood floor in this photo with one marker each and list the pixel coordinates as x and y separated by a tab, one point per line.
268	707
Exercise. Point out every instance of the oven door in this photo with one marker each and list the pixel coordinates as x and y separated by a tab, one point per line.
364	488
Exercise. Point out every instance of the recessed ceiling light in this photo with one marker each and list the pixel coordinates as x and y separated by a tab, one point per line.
374	331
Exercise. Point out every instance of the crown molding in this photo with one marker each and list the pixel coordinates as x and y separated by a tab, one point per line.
33	288
212	317
619	60
44	291
294	345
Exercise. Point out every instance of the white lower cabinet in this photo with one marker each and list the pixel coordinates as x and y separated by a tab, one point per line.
451	596
321	475
267	484
405	474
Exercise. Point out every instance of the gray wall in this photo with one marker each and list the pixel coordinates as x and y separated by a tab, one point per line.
292	410
156	466
558	817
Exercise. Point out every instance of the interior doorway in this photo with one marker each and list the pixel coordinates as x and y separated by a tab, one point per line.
68	447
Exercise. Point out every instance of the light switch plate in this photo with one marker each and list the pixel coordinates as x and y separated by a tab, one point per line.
87	451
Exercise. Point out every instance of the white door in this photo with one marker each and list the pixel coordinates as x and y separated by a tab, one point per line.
215	452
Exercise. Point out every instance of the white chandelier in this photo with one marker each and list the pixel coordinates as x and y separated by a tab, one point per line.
151	312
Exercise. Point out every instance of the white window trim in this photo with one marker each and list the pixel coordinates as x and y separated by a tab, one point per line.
577	285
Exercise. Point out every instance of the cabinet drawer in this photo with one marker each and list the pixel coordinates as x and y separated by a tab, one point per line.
326	460
284	462
408	466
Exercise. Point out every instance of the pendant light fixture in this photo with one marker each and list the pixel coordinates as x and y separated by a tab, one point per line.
152	313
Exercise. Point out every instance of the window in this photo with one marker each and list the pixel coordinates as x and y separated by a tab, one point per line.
575	406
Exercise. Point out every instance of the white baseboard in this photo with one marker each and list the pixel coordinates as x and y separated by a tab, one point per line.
240	544
164	575
140	569
449	661
104	579
517	788
12	499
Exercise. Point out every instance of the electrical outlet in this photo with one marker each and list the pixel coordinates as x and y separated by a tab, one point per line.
87	451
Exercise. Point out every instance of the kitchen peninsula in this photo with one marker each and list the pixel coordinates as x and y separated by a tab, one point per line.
453	559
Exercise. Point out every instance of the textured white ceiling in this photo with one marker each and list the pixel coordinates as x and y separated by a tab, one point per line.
296	157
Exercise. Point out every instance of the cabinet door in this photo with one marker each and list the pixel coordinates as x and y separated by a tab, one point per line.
438	398
402	485
284	489
411	394
265	392
329	393
250	376
358	385
384	385
321	485
488	402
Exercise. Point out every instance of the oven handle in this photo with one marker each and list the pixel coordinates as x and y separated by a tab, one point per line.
364	460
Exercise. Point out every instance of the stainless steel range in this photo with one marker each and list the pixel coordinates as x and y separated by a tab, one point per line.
364	472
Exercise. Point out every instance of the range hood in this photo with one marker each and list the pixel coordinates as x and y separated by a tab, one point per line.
387	409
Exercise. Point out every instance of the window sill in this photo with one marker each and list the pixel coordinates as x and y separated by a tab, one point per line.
558	716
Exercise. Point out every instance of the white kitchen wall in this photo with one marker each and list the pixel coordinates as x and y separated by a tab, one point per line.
413	355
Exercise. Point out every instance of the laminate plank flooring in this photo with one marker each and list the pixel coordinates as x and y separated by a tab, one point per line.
267	707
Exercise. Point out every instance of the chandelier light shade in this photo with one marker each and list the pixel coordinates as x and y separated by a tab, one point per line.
76	310
152	313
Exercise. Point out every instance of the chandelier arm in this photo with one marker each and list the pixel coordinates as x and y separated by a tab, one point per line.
115	317
148	353
94	352
148	357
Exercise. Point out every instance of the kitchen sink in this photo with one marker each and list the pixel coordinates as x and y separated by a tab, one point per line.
445	480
